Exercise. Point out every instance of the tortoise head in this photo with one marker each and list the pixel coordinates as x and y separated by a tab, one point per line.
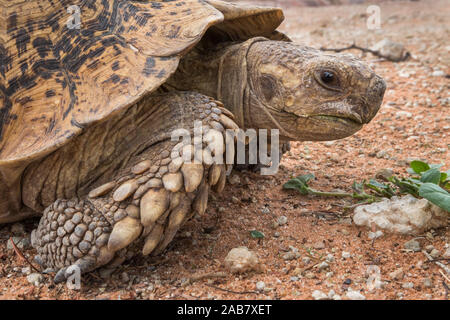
309	94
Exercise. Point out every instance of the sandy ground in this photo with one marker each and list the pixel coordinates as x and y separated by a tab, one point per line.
317	227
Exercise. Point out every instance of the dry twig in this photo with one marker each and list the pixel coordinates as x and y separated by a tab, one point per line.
210	275
231	291
440	264
20	254
374	52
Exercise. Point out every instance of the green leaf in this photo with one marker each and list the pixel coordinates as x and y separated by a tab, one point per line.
436	195
296	184
377	184
444	176
257	234
419	166
300	183
433	175
358	187
306	177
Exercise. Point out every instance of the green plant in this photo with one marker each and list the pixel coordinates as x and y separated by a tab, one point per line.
425	181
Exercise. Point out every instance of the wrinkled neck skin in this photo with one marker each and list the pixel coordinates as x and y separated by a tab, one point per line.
225	74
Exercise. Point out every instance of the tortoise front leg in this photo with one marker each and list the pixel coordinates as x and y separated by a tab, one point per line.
143	207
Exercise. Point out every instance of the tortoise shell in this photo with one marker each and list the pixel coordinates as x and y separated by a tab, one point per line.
67	64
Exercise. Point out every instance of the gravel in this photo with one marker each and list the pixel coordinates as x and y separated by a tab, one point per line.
345	255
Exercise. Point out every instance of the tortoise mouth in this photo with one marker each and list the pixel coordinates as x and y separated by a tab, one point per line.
346	120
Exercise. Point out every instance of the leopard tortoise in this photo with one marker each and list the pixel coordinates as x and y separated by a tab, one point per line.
89	103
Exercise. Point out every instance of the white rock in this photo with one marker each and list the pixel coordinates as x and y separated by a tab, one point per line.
392	50
35	278
319	295
354	295
240	260
405	215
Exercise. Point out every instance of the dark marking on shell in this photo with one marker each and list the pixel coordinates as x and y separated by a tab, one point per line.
43	46
50	93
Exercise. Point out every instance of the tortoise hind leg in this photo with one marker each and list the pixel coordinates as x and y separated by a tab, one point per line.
142	208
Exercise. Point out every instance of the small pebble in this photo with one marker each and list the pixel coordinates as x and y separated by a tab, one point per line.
319	245
427	283
282	220
408	285
375	235
260	285
413	245
446	254
345	255
18	229
323	265
319	295
289	255
354	295
435	253
124	277
35	279
234	179
397	274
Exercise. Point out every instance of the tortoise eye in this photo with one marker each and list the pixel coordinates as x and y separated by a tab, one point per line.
329	80
327	77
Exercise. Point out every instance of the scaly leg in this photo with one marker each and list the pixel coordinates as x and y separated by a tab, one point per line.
143	206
